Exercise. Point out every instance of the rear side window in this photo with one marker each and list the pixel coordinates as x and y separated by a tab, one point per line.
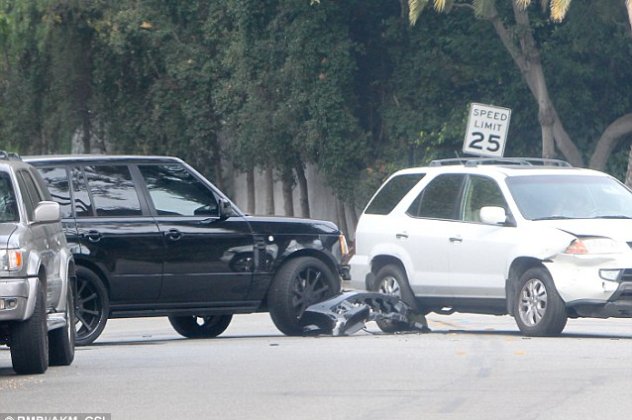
440	198
392	192
113	191
174	191
57	181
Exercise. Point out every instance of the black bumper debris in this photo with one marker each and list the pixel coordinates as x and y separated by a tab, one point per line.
348	312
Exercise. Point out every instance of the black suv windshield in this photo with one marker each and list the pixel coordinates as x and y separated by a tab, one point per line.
8	205
544	197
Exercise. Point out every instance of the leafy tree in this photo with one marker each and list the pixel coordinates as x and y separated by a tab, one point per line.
519	40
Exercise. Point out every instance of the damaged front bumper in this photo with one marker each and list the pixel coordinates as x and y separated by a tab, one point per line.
348	313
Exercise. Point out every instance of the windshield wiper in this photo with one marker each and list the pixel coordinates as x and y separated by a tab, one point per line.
553	218
612	216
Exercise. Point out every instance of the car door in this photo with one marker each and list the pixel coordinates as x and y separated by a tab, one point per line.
478	251
44	236
117	233
427	232
208	258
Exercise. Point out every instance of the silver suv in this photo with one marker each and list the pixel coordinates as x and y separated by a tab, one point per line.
36	294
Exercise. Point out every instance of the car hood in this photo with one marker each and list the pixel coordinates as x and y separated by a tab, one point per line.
619	229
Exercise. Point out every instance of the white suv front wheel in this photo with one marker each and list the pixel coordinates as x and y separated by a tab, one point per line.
538	309
391	280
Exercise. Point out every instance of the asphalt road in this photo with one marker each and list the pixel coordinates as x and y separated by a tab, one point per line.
469	367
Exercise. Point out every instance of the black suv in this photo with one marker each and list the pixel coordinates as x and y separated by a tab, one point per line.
152	237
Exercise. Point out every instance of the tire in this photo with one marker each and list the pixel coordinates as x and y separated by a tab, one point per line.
538	309
92	307
29	339
299	283
391	280
200	326
61	341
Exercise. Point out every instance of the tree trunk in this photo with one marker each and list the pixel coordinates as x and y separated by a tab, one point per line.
288	198
342	216
250	191
628	175
269	178
302	190
609	139
526	56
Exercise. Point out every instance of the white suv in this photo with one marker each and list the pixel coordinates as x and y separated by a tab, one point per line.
533	238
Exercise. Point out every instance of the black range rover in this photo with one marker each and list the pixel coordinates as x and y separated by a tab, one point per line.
152	237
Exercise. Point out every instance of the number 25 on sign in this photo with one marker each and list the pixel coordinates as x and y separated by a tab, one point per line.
486	132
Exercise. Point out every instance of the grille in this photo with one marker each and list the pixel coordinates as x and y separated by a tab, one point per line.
627	275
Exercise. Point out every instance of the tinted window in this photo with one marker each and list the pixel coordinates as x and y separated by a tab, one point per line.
439	200
481	192
112	190
391	193
8	205
81	198
174	191
57	181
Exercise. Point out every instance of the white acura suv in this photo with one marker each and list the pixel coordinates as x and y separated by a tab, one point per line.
533	238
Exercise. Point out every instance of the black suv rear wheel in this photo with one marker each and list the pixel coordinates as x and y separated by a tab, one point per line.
92	306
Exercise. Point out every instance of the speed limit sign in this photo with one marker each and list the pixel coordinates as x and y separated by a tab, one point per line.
486	131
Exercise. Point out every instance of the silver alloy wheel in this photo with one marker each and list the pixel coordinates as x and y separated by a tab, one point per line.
533	302
389	286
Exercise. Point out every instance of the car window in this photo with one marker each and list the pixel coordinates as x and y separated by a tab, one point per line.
113	191
392	192
30	193
57	181
570	197
175	191
8	205
439	199
81	198
479	192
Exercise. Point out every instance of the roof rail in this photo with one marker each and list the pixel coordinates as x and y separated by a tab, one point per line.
511	161
9	155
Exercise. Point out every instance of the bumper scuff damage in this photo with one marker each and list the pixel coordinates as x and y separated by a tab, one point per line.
348	312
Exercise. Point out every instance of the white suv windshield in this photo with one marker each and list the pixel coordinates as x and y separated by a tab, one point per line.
542	197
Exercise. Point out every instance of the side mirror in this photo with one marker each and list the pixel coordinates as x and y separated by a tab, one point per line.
493	215
225	209
47	212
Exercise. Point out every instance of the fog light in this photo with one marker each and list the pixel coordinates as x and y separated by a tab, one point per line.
611	275
9	303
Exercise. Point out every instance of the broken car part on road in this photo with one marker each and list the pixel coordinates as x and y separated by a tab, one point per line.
348	312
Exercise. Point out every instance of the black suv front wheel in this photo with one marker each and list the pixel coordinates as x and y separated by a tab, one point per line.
298	284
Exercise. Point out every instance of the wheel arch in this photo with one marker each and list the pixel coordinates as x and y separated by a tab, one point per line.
517	268
96	270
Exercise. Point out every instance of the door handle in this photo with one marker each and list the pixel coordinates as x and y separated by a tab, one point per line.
93	236
173	234
456	239
401	235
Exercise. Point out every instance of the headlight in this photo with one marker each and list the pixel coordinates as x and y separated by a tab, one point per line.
344	248
11	259
593	246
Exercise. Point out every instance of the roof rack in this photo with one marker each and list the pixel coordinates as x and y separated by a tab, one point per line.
9	155
511	161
